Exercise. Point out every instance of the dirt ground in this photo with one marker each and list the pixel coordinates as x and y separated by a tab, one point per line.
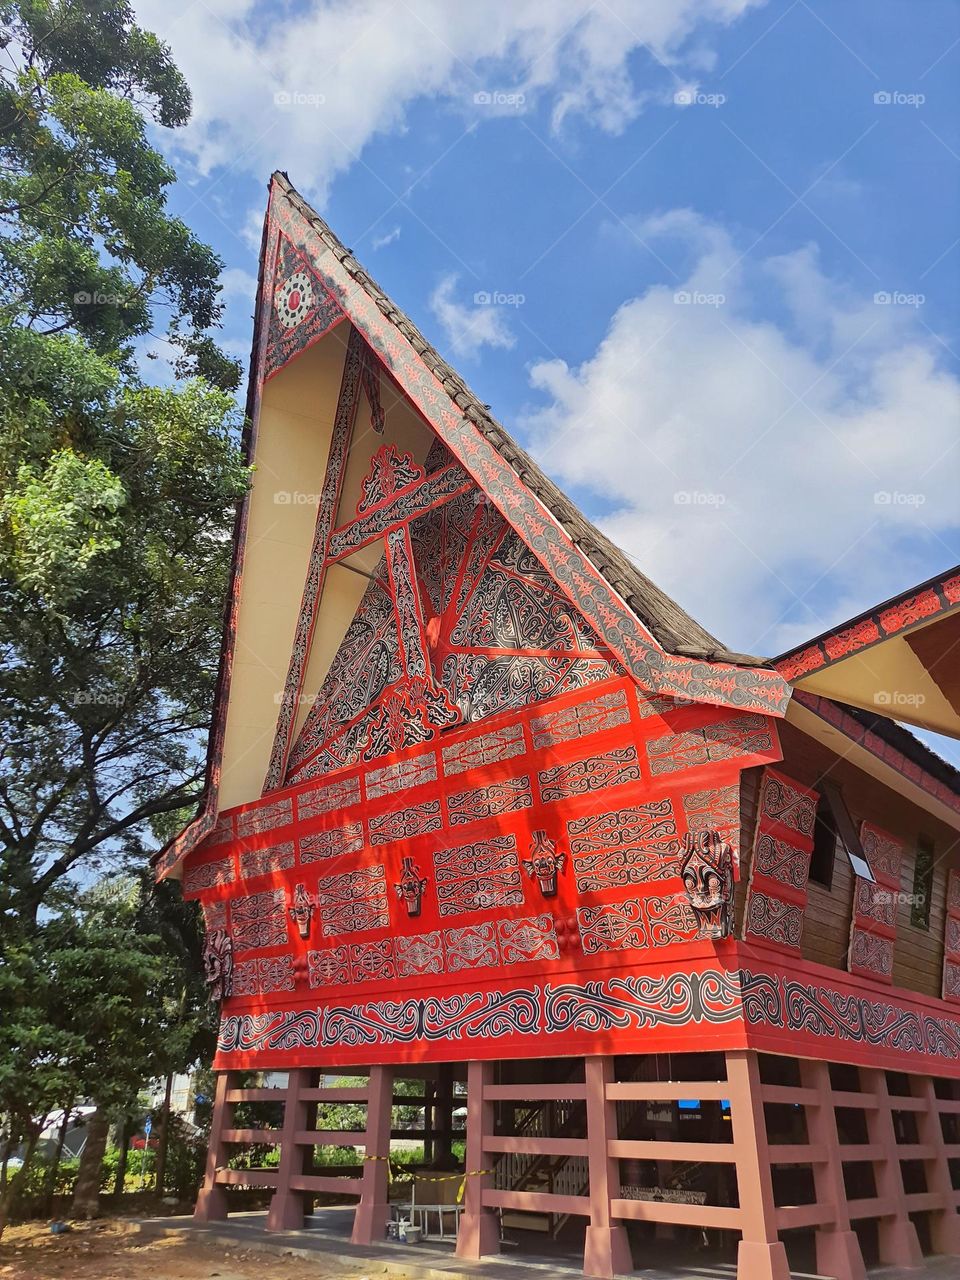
114	1250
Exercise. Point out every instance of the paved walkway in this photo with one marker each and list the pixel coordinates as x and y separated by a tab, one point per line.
328	1232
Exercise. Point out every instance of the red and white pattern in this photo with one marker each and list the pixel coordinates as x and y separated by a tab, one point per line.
485	802
478	877
328	968
873	925
259	920
418	820
354	902
774	920
640	922
780	867
489	748
607	711
422	954
262	976
533	938
264	862
951	939
401	776
207	875
334	843
472	947
253	822
372	961
595	773
336	795
624	846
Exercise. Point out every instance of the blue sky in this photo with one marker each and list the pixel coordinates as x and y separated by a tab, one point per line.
720	240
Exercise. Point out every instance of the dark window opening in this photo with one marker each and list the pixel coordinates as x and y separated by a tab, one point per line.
922	884
824	844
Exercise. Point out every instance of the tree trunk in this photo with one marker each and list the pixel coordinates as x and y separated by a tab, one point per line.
50	1181
86	1194
127	1130
11	1192
163	1137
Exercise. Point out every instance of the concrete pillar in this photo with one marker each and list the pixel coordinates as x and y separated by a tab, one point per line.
211	1203
287	1207
944	1222
373	1211
606	1250
761	1255
838	1248
479	1232
897	1236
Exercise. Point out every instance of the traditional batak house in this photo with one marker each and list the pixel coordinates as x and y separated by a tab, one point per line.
679	928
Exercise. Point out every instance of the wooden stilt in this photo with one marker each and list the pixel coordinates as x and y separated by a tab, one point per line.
211	1203
286	1210
606	1248
944	1222
373	1211
838	1248
479	1232
897	1236
761	1255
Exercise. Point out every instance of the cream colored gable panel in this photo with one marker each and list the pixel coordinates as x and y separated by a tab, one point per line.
342	592
296	421
889	679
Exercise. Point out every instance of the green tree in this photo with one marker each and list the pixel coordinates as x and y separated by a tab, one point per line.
115	497
93	1008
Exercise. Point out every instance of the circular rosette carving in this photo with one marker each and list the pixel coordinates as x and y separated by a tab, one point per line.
295	299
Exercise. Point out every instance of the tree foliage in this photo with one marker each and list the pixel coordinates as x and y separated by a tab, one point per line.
116	497
96	1001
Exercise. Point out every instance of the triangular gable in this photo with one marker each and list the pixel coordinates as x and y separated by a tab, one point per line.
299	247
655	670
459	622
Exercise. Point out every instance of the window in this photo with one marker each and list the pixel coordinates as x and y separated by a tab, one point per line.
835	823
922	884
824	844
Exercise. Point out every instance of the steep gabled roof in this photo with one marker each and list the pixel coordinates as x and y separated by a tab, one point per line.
658	643
666	620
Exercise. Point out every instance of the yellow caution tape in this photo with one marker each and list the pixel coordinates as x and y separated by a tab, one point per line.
396	1167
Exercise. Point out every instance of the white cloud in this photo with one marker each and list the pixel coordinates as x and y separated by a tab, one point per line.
747	463
468	327
381	242
238	283
309	85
